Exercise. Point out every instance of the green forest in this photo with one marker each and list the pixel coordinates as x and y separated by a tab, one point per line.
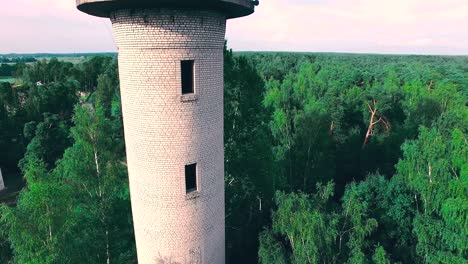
329	158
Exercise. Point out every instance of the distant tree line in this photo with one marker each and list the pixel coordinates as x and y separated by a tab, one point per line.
17	59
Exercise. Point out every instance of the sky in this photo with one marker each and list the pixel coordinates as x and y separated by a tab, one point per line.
354	26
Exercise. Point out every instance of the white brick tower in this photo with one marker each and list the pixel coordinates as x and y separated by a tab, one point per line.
171	81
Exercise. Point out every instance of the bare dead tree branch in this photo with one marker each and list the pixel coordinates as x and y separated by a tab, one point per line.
373	122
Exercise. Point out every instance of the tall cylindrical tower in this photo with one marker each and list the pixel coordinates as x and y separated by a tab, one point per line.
171	81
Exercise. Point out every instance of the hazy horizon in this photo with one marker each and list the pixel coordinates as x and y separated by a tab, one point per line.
248	51
417	27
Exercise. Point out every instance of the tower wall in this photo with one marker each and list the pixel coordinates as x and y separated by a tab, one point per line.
165	130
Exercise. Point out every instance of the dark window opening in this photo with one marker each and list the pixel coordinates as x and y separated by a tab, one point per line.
191	177
187	76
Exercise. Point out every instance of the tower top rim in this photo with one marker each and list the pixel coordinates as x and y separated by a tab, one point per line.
231	8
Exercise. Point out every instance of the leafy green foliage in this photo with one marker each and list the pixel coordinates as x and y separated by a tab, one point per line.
270	249
249	186
48	140
356	115
75	207
10	128
307	231
434	166
380	256
95	169
85	198
42	219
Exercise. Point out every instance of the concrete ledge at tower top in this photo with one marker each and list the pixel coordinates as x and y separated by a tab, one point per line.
103	8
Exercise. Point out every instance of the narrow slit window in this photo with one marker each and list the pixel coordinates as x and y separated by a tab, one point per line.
186	67
191	177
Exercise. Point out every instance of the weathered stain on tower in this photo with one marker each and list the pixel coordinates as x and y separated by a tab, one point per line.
171	81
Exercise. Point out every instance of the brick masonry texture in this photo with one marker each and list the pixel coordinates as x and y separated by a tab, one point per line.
165	130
